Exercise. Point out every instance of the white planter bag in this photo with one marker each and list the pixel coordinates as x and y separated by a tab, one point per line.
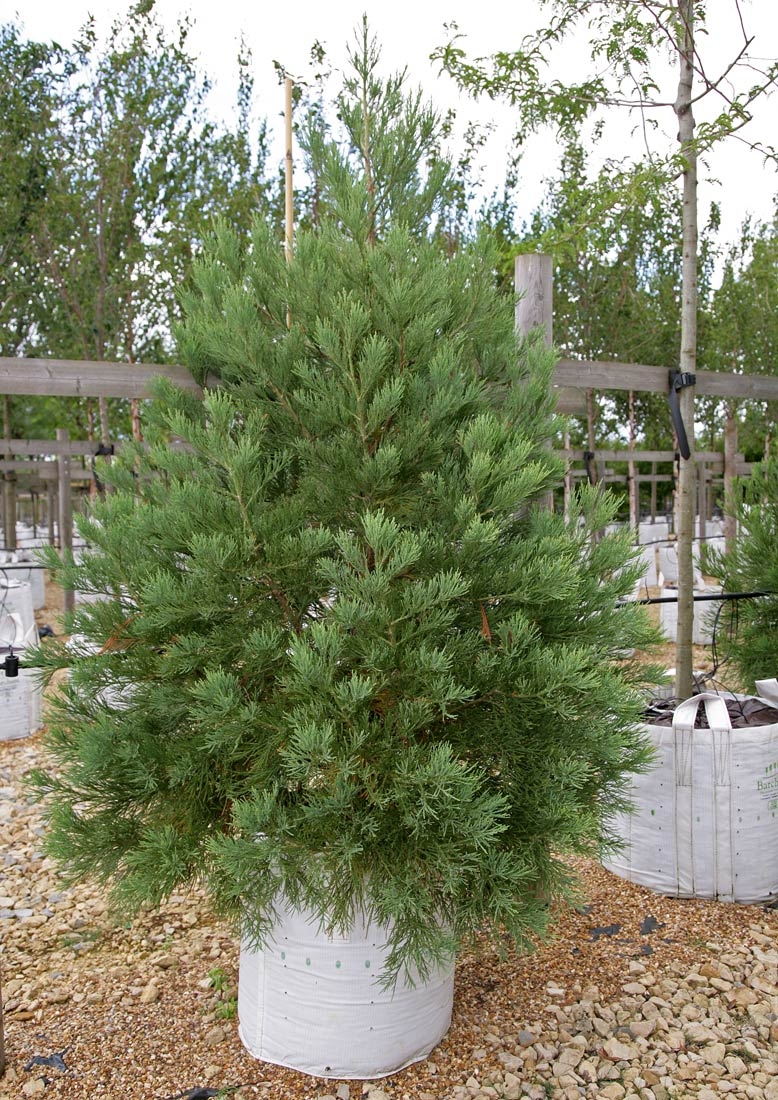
21	703
14	633
704	613
312	1002
17	718
705	820
16	597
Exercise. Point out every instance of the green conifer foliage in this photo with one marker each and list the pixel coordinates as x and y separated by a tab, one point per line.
345	652
749	638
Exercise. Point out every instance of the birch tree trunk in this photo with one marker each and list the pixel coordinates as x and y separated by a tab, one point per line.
688	360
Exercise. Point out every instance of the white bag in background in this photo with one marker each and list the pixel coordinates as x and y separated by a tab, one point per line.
705	820
17	718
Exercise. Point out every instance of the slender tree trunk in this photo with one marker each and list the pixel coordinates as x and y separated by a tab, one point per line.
730	458
105	426
137	430
634	504
591	416
65	511
688	360
9	485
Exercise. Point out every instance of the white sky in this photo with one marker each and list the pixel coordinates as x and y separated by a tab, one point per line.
408	32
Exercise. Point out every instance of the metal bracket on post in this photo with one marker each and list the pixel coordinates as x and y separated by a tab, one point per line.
679	380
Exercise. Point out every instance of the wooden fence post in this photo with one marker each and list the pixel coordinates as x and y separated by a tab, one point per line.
65	510
533	280
534	283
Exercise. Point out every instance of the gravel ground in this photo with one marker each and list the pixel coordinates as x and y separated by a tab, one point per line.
637	997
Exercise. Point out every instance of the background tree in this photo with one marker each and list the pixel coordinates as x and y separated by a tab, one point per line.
357	664
630	44
616	280
744	325
137	170
29	76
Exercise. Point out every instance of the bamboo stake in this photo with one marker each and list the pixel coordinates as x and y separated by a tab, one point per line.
289	211
289	190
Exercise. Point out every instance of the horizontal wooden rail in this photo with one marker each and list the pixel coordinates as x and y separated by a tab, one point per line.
76	378
604	375
709	458
42	448
42	471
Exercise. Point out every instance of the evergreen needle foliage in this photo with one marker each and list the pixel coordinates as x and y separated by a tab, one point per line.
344	651
750	637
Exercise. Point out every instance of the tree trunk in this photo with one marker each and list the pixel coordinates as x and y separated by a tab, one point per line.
9	485
105	427
730	458
568	490
65	511
137	431
634	503
688	360
591	416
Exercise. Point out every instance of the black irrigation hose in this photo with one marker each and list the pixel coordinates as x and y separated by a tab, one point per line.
673	542
720	596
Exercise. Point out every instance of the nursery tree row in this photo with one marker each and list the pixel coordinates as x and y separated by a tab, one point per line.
113	171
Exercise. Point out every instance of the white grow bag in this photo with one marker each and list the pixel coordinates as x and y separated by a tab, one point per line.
704	614
17	717
16	598
705	818
22	698
30	575
312	1002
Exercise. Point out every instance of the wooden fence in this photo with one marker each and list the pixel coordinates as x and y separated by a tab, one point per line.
47	464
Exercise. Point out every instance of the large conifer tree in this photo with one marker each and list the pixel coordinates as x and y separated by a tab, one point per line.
345	652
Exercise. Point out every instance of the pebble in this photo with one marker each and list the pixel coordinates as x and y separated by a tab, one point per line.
34	1087
150	993
708	1031
216	1035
